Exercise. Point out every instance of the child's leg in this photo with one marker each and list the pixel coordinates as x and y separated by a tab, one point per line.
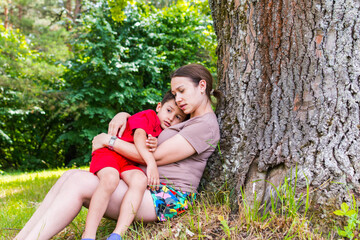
137	182
109	180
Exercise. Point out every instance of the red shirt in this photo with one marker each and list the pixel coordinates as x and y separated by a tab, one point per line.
147	120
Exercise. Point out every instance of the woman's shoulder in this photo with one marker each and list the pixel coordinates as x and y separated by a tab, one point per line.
208	119
204	126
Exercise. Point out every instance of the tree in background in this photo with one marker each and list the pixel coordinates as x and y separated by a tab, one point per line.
121	58
30	113
289	71
125	65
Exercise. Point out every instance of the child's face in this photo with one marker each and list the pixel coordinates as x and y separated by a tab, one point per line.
169	114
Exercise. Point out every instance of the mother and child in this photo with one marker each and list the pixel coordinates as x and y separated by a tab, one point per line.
118	189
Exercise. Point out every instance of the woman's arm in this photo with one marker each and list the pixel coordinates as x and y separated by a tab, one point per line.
172	150
117	125
126	149
168	152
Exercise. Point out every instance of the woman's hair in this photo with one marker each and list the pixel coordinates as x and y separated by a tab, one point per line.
197	72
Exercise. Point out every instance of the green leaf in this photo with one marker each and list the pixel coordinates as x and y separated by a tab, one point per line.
344	207
342	233
350	212
339	213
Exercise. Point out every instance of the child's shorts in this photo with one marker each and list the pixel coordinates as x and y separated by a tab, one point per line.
169	202
105	157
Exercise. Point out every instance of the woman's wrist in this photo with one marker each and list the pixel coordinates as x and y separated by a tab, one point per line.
111	142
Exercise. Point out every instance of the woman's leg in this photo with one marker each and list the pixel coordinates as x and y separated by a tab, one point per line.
65	205
137	182
109	180
40	211
74	191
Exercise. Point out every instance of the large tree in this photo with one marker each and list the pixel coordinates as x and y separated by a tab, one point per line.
289	73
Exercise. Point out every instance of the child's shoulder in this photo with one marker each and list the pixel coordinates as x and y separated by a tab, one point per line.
148	112
149	115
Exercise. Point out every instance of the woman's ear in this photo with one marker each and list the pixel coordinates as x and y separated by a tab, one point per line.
202	85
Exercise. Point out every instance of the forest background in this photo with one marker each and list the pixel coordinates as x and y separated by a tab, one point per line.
67	67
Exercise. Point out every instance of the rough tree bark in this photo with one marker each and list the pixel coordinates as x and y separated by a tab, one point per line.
289	72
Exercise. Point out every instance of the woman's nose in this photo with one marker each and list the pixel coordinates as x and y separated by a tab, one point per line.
177	98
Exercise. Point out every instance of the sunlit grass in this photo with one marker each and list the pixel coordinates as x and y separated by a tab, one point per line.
20	195
209	218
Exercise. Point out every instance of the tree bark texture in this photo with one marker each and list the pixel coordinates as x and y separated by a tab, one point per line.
289	74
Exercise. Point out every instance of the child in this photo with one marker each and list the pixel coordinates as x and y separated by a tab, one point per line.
110	166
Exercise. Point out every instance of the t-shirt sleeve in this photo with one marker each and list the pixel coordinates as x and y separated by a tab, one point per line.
200	136
144	120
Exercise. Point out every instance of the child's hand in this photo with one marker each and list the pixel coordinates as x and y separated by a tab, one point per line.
153	176
151	143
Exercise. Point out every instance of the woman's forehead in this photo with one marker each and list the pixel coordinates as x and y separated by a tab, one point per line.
177	81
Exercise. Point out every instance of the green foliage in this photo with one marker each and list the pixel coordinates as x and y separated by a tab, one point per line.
122	55
125	66
117	9
225	226
30	116
353	220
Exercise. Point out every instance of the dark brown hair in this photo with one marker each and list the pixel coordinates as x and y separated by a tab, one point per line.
197	72
167	97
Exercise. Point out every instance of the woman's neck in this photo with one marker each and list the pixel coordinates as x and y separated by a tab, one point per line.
202	109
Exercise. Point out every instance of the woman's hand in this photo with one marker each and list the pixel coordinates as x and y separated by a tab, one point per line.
100	141
151	143
117	125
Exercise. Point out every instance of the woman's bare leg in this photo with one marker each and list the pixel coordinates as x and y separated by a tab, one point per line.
50	196
137	182
64	206
109	180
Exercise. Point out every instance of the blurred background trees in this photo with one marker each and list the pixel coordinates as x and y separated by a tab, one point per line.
66	67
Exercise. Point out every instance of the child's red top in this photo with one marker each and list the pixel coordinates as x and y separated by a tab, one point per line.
147	120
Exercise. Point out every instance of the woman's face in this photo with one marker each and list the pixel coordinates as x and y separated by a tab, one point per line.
188	97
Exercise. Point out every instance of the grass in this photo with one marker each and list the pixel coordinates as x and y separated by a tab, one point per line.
209	218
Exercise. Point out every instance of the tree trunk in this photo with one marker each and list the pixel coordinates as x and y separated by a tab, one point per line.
68	8
289	72
6	13
20	9
77	10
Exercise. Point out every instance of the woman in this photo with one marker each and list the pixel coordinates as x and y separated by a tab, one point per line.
181	158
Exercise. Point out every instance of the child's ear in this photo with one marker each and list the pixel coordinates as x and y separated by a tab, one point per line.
158	107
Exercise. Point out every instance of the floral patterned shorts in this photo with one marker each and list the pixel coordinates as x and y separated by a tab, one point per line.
169	202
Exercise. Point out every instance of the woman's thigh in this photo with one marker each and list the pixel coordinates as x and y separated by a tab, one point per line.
146	210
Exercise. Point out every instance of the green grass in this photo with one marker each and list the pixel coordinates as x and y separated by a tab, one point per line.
209	218
20	195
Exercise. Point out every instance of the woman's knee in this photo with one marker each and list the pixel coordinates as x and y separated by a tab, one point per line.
69	173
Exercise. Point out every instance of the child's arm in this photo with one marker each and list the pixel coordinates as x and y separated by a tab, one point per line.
140	137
